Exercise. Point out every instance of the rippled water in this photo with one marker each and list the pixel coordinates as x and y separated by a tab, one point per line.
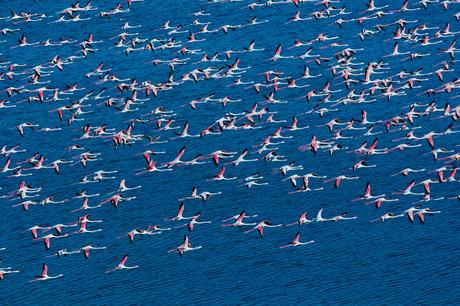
351	262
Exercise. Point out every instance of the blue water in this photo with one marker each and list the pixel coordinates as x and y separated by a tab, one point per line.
351	262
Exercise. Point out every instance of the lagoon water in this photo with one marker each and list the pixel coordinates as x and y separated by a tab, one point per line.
351	262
